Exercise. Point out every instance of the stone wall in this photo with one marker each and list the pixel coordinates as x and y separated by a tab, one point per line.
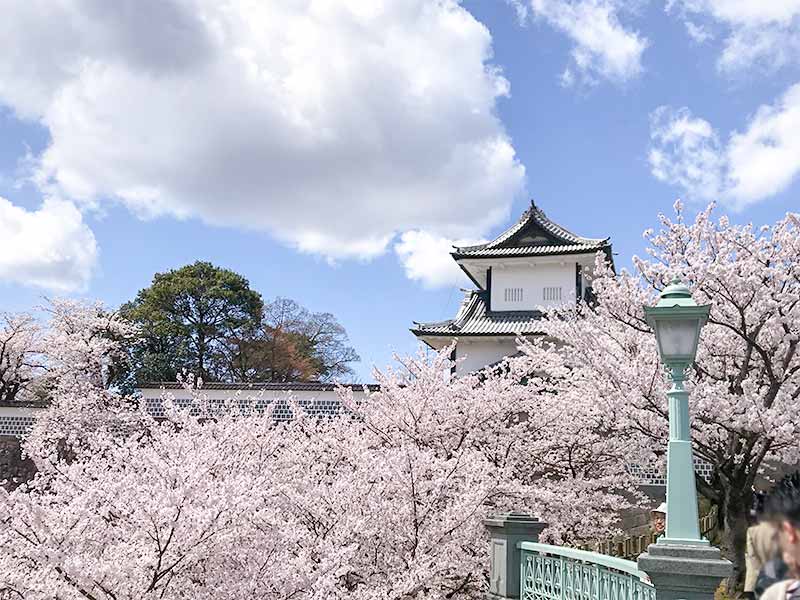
13	469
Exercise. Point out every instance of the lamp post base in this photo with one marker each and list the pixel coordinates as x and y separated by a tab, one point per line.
665	541
686	572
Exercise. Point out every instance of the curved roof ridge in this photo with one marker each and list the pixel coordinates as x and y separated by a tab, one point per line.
463	311
523	220
472	300
559	230
536	214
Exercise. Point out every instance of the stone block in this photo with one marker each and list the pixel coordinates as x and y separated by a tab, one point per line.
505	532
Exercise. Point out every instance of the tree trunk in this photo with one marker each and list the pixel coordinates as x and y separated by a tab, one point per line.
732	529
201	358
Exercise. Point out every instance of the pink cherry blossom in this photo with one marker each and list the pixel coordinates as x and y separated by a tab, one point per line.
218	500
745	384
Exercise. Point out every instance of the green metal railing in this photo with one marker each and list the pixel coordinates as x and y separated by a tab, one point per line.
557	573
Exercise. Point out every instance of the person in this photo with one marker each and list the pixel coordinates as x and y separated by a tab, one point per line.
773	571
658	525
762	547
658	520
783	509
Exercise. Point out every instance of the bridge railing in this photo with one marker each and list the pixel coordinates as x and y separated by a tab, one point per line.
559	573
522	568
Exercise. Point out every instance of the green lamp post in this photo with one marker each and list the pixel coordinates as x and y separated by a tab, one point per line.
677	320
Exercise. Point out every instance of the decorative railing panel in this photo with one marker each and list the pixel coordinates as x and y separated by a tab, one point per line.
556	573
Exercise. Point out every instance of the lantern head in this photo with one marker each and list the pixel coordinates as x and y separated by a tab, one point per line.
677	320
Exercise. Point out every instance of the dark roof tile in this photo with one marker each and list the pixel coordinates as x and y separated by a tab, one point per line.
474	319
502	245
300	386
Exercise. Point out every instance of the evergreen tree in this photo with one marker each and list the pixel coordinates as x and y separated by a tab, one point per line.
188	317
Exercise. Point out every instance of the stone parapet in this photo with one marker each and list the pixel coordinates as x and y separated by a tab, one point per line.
505	532
14	470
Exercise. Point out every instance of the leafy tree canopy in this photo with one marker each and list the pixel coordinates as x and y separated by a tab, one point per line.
188	317
294	344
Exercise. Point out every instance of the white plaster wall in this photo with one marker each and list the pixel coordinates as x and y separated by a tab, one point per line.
17	411
478	353
533	280
315	403
16	420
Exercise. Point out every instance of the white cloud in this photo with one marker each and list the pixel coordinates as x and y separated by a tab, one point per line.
742	12
50	248
603	47
755	164
765	159
334	126
426	258
698	33
762	34
567	78
768	48
521	8
686	152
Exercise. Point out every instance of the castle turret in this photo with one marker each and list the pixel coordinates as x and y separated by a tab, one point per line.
534	265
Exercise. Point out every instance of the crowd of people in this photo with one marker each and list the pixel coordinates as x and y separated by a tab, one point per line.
773	543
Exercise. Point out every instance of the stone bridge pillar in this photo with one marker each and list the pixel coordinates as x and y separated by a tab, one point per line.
505	531
14	470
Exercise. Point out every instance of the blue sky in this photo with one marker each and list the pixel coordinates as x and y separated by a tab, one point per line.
331	155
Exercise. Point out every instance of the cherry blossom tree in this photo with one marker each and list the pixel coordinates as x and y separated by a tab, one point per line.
745	384
83	345
387	499
79	342
217	500
20	357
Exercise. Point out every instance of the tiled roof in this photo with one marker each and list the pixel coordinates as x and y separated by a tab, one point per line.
563	240
37	403
474	318
532	250
301	386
